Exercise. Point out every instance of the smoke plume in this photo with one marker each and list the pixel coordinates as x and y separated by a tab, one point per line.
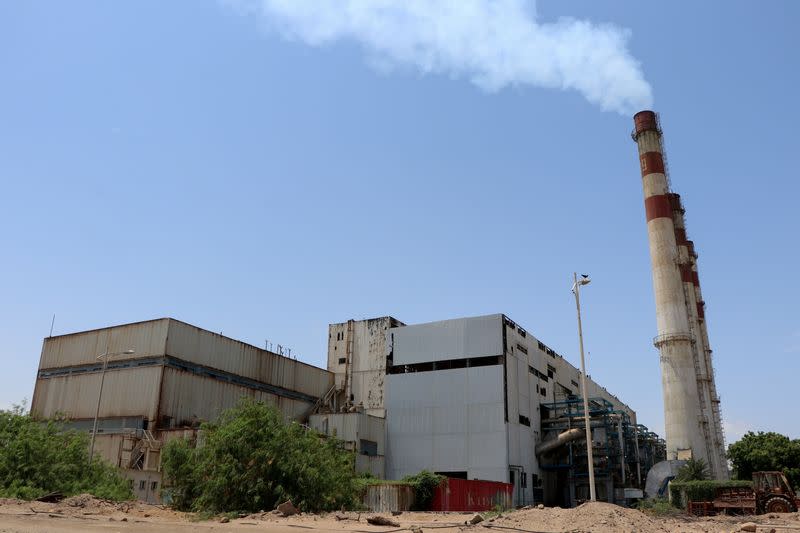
493	43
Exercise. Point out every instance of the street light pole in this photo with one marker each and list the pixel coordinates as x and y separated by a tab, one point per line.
587	422
105	357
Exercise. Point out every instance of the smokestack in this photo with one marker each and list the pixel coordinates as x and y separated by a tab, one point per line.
718	436
682	413
702	364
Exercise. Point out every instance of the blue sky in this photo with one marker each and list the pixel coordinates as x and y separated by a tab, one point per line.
186	159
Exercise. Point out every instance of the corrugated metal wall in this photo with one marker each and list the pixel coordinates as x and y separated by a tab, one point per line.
127	392
146	338
188	397
205	348
387	498
352	427
471	495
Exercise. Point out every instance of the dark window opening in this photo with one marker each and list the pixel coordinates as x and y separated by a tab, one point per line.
153	485
141	484
446	365
511	476
522	349
456	475
342	360
543	391
522	332
574	383
367	447
524	420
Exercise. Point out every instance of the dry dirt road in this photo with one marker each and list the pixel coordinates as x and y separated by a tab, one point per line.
86	514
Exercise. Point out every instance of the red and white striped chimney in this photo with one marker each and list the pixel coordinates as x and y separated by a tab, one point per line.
682	413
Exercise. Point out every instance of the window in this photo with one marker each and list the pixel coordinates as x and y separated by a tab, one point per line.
153	485
542	347
342	360
522	332
522	349
574	383
141	484
543	391
367	447
550	371
524	420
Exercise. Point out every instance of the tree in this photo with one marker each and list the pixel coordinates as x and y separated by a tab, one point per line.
40	457
693	470
252	460
766	451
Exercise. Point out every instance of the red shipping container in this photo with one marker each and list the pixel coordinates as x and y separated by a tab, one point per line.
471	495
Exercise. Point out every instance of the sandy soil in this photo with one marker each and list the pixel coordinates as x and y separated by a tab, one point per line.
84	513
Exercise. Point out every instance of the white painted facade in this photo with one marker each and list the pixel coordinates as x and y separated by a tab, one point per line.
445	415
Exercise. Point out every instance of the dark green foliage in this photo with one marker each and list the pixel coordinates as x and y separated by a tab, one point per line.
37	458
761	451
252	460
693	470
424	484
656	507
699	491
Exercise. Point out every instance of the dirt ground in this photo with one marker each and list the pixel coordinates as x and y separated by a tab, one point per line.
84	513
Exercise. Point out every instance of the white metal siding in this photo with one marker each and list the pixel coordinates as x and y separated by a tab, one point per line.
449	339
448	420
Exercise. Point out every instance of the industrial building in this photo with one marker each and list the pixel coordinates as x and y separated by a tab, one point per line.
693	421
482	398
472	398
177	376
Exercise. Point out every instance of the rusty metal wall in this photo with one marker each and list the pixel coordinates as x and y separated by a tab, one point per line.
351	427
187	398
126	392
389	497
206	348
146	338
472	495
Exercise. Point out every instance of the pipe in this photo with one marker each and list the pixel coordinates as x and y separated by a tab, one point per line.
560	440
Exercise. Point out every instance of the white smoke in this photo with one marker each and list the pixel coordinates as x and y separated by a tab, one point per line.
493	43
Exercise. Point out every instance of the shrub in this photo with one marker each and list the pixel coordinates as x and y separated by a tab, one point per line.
700	491
37	458
424	484
656	507
253	460
693	470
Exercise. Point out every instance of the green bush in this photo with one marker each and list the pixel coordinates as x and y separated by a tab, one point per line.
656	507
37	458
424	484
252	460
693	470
700	491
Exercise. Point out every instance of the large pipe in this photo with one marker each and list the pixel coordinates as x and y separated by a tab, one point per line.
559	441
674	341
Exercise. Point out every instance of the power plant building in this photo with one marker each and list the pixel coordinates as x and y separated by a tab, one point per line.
475	398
